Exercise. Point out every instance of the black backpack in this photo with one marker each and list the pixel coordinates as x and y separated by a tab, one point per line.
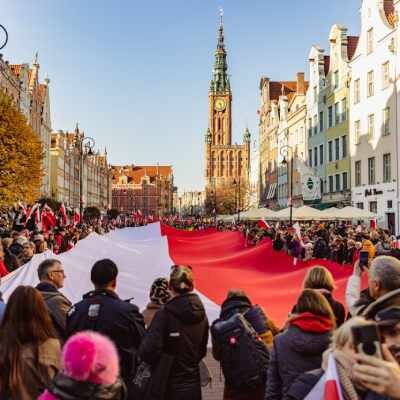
243	355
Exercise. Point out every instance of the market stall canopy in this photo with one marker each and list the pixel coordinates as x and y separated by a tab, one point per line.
351	213
226	218
304	213
255	214
330	214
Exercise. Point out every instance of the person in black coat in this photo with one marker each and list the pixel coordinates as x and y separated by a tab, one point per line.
101	310
180	329
299	349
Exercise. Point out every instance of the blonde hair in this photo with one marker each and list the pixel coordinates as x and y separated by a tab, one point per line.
314	302
343	334
319	277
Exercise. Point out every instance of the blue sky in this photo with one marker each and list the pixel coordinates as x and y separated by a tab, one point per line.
135	74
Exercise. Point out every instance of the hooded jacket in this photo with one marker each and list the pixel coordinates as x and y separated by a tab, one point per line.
295	351
65	388
180	328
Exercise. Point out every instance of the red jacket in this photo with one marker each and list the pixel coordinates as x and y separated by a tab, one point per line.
3	269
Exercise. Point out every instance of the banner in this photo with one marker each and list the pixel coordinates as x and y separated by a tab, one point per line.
311	187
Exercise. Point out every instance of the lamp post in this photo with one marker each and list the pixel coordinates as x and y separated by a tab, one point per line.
85	145
287	151
237	185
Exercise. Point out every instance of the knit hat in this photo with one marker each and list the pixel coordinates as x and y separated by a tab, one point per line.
159	291
181	278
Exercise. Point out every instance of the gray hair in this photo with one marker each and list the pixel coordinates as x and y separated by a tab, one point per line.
386	270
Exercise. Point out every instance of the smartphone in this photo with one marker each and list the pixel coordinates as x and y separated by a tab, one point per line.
366	340
363	260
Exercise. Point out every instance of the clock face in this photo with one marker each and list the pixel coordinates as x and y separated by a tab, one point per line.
220	104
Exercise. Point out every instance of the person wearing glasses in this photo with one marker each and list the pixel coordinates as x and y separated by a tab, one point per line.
51	276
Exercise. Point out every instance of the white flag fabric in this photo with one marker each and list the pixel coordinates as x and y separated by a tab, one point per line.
141	255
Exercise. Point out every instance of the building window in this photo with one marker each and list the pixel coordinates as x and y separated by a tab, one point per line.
370	41
360	206
370	84
371	171
387	168
357	173
344	146
310	157
357	132
337	179
322	186
309	127
344	109
336	80
315	94
386	123
337	149
315	124
321	121
315	156
331	184
356	91
344	179
371	124
330	151
321	154
390	204
330	117
385	75
337	114
373	206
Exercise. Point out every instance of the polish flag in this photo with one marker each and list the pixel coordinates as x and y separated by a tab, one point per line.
63	213
373	224
328	387
262	224
77	217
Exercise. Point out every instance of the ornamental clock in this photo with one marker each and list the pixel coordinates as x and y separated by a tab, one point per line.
220	104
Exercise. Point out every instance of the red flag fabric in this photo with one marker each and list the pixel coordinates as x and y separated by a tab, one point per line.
221	261
3	269
262	224
77	217
63	213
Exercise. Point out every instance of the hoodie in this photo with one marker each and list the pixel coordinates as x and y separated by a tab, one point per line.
180	329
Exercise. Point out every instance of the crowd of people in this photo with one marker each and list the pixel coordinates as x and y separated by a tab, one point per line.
104	347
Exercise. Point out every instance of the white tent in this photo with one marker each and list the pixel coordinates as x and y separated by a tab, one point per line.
303	213
354	213
255	214
226	218
330	214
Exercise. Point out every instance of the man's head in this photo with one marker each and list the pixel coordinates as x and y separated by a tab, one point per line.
29	250
52	271
388	321
384	276
104	274
181	279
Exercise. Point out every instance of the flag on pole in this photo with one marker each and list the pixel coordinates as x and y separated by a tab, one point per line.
63	213
373	224
77	217
328	387
262	224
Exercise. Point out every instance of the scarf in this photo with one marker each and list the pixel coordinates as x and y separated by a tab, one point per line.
309	322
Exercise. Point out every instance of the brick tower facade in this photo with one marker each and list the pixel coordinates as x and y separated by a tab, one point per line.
227	165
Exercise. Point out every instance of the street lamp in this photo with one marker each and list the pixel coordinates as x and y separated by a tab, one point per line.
3	37
85	145
237	184
285	151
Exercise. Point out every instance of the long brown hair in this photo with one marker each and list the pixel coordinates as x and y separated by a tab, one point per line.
26	322
314	302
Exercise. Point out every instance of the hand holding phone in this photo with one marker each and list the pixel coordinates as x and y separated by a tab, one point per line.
363	260
367	340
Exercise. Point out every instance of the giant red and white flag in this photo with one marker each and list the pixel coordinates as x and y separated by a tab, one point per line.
328	387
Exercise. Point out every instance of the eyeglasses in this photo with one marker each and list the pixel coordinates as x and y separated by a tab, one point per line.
59	270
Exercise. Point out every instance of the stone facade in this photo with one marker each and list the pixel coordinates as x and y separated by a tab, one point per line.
225	162
148	189
192	203
9	83
65	166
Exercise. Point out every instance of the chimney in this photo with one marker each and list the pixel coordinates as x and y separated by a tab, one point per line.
301	84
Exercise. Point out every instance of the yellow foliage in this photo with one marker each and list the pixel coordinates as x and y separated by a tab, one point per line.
20	156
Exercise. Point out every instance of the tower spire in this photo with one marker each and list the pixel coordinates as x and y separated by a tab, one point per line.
220	79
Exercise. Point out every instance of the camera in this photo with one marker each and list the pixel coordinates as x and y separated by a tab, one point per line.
366	340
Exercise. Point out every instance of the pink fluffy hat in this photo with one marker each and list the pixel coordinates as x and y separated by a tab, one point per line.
90	369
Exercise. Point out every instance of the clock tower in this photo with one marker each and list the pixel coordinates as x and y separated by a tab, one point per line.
226	164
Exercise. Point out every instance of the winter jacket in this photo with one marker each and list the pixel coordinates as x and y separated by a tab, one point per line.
2	307
186	341
149	312
389	299
65	388
119	320
337	308
39	367
295	351
321	249
58	306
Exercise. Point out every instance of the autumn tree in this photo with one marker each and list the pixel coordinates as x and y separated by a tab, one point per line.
20	156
